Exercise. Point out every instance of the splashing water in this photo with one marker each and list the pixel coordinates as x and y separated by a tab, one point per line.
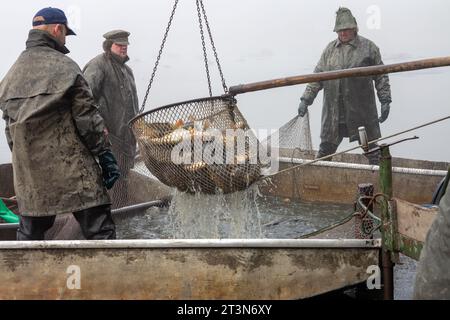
230	216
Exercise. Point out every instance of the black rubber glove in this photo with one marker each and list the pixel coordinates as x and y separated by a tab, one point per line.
302	109
385	108
110	169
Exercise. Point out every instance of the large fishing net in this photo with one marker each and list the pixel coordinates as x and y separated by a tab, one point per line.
206	145
202	145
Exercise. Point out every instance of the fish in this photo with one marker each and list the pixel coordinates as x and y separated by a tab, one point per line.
195	166
173	137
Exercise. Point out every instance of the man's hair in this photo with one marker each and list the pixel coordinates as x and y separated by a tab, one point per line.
45	27
107	44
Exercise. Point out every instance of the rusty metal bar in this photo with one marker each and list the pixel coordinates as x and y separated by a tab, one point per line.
386	235
142	206
338	74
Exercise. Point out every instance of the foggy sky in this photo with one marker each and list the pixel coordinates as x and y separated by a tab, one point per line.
260	40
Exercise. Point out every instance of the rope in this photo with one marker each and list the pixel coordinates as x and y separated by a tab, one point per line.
362	215
338	224
366	210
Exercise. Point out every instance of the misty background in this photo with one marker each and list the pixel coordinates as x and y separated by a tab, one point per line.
259	40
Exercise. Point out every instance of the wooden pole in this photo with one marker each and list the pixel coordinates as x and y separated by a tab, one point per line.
338	74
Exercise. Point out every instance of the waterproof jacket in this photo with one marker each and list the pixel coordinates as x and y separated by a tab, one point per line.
54	131
433	271
349	100
114	89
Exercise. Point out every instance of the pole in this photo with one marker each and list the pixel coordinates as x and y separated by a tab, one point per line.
386	235
338	74
142	206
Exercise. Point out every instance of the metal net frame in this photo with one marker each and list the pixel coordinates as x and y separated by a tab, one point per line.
187	126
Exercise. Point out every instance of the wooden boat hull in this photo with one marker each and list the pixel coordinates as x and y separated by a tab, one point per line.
213	269
190	269
337	182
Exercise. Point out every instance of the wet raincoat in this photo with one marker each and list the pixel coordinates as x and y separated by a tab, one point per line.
114	89
433	272
350	100
112	83
54	131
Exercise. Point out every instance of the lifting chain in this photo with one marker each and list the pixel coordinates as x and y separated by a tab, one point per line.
205	55
225	88
201	13
159	56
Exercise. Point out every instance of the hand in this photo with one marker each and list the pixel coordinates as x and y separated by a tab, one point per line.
385	108
110	169
302	109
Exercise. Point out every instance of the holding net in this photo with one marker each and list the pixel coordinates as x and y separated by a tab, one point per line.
202	145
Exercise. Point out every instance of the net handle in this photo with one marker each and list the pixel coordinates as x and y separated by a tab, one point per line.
339	74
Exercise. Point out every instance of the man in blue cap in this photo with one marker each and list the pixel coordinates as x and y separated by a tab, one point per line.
56	134
48	16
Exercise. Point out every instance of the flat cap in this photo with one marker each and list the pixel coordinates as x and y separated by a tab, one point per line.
117	36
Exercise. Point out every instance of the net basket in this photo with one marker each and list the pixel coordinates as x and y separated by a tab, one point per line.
202	145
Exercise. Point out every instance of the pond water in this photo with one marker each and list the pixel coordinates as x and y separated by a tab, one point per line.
246	215
265	217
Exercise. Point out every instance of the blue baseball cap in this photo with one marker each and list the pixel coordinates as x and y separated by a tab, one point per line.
52	16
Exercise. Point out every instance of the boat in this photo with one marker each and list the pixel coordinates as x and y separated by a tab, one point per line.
258	269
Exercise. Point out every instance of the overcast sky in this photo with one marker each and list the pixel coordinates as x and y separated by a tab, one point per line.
260	40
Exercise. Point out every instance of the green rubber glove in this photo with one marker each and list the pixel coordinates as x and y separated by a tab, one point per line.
7	214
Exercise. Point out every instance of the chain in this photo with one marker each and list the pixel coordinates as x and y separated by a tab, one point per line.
200	10
159	57
205	56
225	88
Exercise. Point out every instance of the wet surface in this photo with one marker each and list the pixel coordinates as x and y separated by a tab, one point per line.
278	219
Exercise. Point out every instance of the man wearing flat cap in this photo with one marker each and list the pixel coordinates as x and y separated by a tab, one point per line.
114	89
56	135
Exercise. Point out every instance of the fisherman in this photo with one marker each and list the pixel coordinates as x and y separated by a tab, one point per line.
114	89
433	273
56	133
348	103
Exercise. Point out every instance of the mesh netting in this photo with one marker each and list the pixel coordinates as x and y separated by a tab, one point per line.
295	134
120	193
202	145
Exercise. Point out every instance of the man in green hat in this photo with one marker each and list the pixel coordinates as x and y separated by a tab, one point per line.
114	89
348	103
